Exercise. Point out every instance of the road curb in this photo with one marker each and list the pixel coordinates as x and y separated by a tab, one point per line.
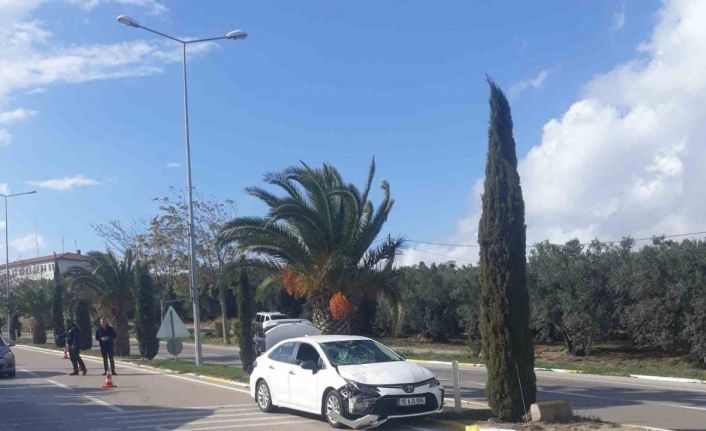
149	367
568	371
667	379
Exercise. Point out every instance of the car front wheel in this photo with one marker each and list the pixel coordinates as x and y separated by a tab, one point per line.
333	403
264	397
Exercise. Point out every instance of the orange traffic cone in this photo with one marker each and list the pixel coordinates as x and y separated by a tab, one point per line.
108	381
66	353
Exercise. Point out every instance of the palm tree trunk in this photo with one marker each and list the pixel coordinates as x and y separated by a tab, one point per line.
224	317
322	319
122	340
39	333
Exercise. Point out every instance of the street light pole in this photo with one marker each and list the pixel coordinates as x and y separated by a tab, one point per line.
7	256
233	35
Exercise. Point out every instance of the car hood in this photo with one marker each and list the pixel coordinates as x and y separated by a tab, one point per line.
4	350
385	373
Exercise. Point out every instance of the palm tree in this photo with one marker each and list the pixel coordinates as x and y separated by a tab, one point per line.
319	238
34	298
109	281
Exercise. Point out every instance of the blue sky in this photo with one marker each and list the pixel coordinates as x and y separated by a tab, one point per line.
99	106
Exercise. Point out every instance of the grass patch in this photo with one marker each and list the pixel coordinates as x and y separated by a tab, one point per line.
608	360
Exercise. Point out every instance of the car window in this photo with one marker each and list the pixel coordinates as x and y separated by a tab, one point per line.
258	318
283	353
277	317
357	352
307	352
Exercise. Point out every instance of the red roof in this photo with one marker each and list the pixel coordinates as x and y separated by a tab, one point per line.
48	259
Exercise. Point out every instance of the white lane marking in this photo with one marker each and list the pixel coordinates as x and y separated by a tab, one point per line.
126	365
231	423
684	407
195	417
175	413
33	374
268	424
103	403
61	385
218	408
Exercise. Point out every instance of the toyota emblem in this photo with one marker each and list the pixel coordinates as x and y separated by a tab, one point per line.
408	388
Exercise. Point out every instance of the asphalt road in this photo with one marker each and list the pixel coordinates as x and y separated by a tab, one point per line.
42	396
669	405
675	406
678	406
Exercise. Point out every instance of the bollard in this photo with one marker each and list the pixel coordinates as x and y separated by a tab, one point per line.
457	386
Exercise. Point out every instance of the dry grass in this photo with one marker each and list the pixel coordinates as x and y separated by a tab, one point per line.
614	359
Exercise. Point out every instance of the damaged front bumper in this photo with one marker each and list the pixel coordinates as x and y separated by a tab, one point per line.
369	406
365	422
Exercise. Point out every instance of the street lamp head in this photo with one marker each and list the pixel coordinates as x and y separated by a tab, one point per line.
126	20
236	35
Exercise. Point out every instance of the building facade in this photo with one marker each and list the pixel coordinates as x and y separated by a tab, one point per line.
42	268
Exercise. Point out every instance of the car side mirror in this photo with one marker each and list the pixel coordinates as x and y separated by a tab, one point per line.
308	365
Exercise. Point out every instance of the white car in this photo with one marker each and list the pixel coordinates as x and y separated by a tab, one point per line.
353	381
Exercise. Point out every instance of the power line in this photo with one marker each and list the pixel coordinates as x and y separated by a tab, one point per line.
583	244
442	255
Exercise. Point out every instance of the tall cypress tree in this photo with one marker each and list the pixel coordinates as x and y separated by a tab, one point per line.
507	341
57	307
246	308
83	321
146	321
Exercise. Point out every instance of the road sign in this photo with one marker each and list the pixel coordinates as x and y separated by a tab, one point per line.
172	326
174	346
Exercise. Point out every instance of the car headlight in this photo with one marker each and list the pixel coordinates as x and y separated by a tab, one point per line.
354	388
7	355
434	383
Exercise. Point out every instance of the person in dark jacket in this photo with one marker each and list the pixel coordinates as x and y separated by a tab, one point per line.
105	334
73	342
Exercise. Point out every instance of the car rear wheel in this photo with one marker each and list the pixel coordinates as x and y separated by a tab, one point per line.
333	403
11	373
264	397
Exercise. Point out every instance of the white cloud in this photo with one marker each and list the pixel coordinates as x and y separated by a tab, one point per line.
2	226
18	114
628	157
536	82
26	243
4	189
5	137
32	58
154	7
618	20
173	165
64	184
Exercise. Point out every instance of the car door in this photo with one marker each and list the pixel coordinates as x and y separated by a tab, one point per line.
280	364
304	384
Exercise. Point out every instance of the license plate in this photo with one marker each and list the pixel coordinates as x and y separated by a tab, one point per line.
416	401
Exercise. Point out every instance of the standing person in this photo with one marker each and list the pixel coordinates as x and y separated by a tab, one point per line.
105	335
73	341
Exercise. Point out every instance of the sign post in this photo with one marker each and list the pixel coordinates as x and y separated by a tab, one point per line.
172	328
